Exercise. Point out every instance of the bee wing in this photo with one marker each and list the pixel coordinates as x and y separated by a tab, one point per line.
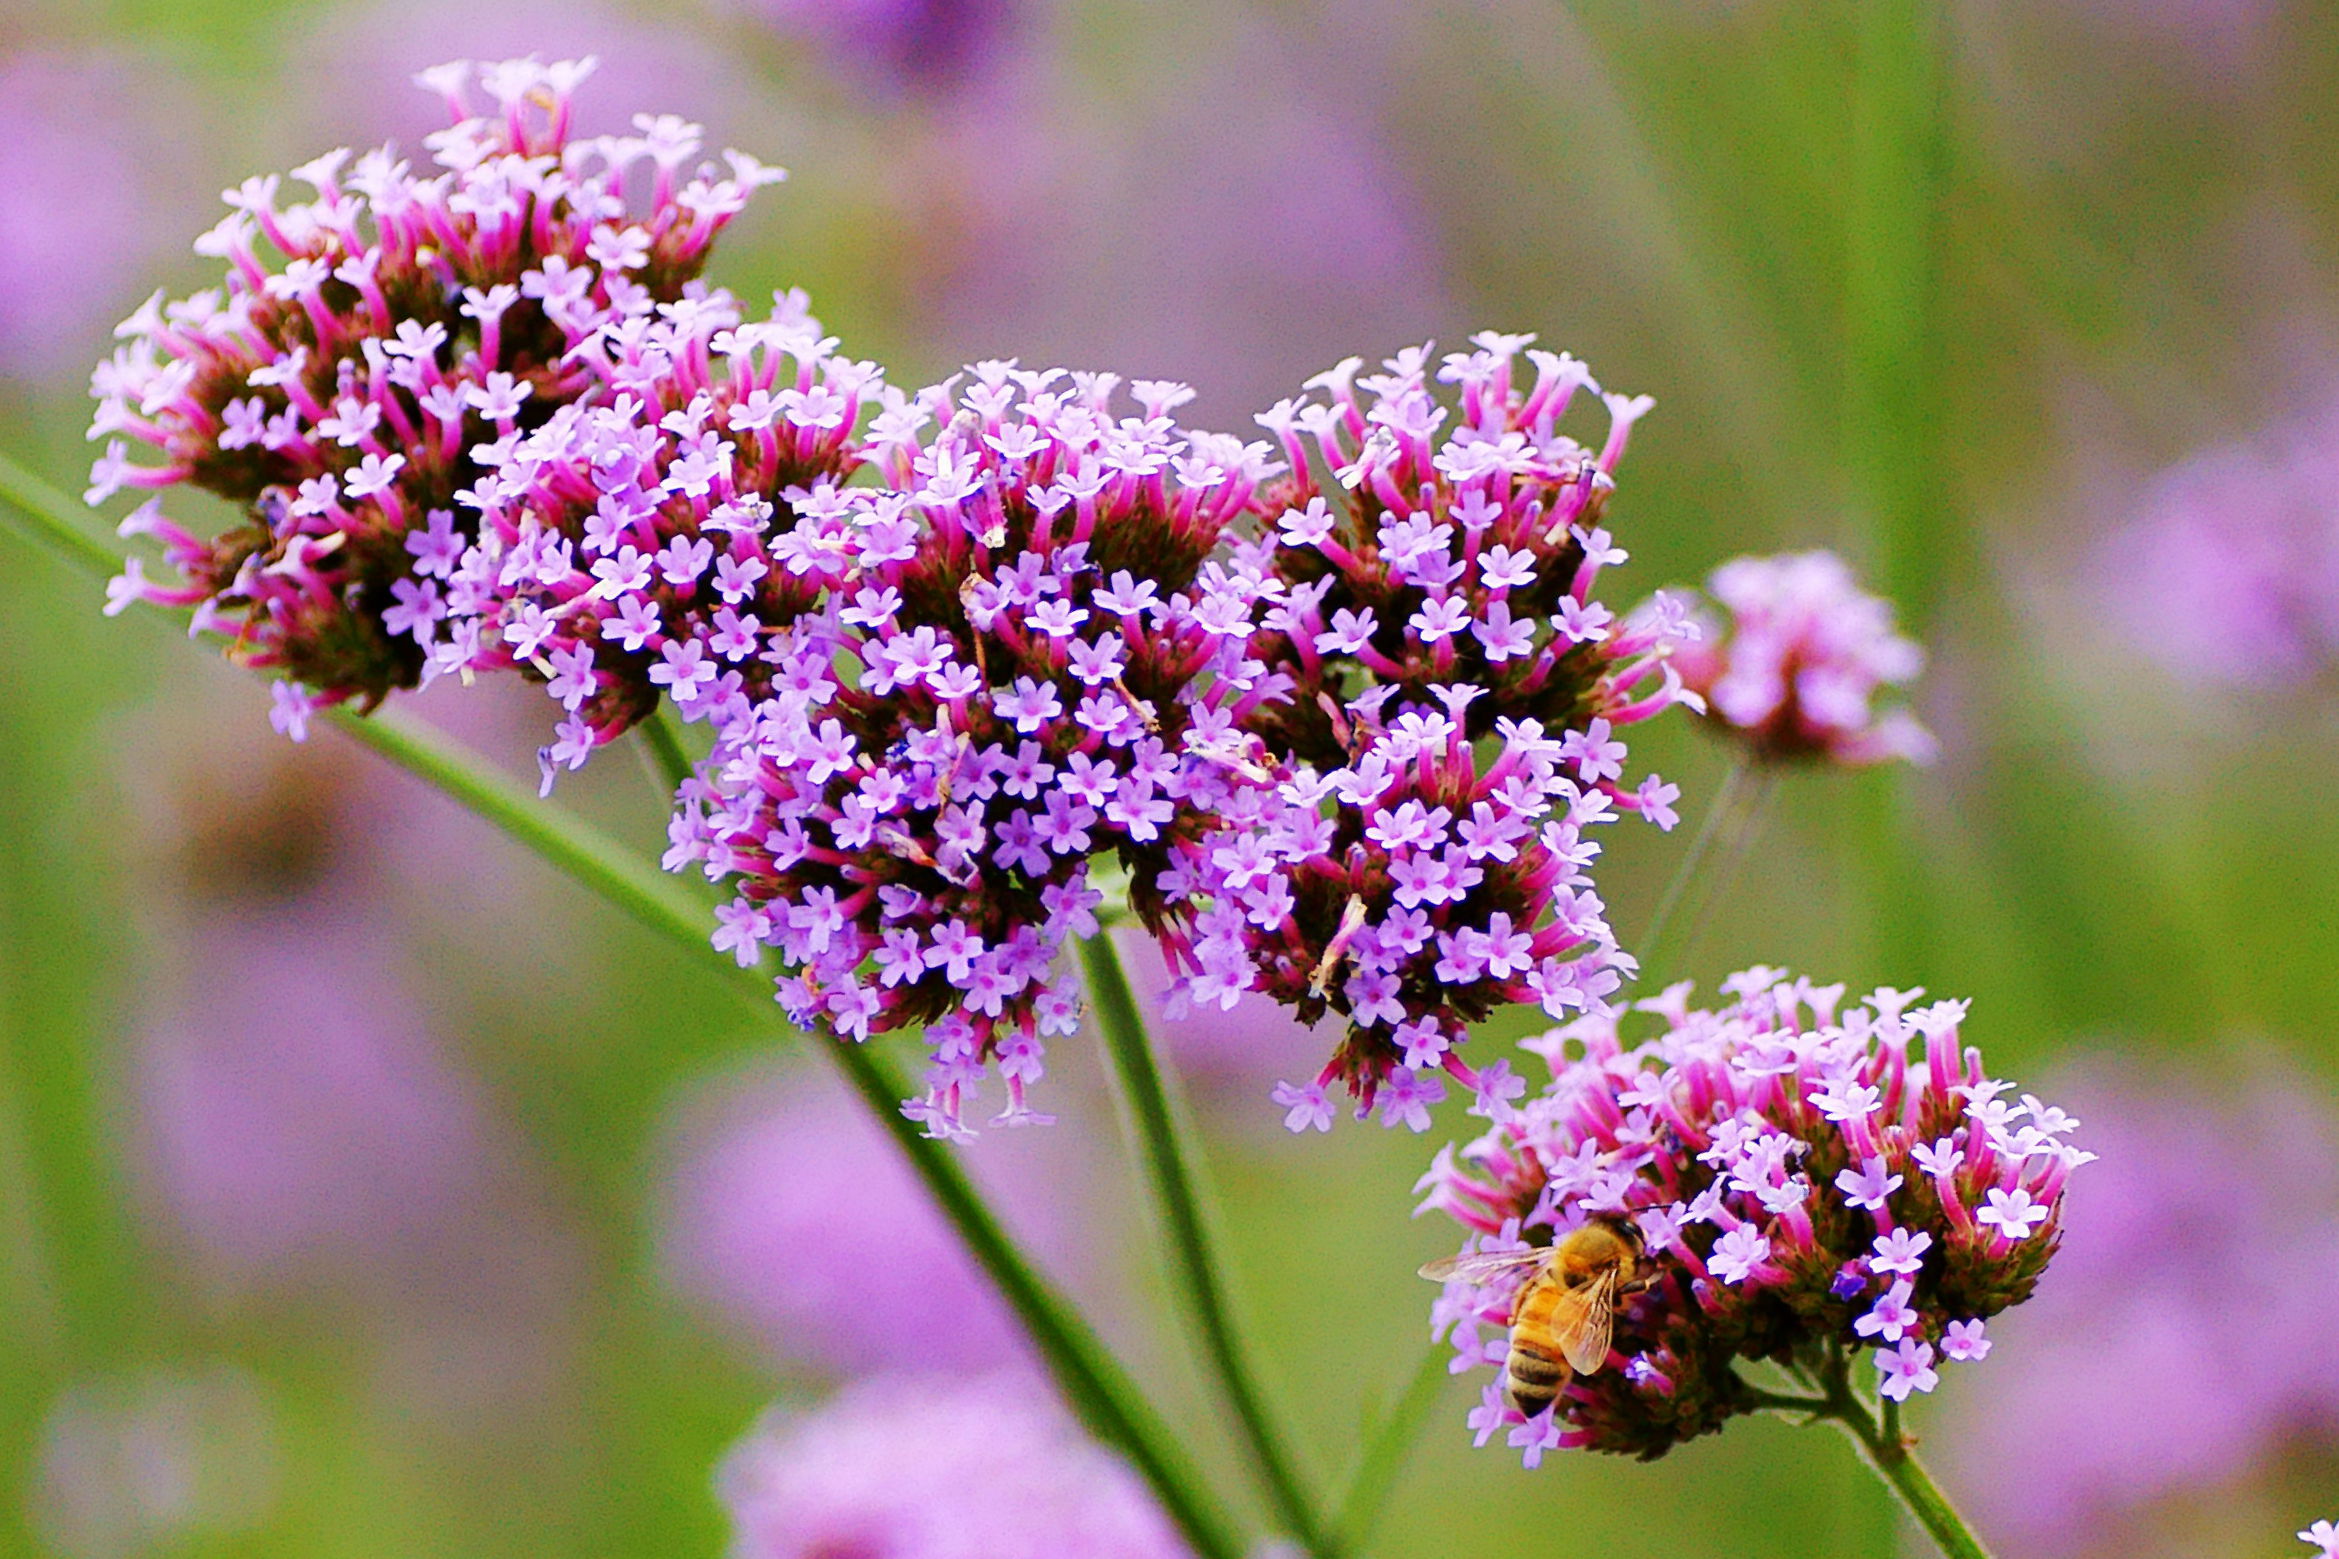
1583	1321
1486	1266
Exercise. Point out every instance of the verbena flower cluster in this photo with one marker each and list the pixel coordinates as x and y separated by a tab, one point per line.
1428	587
1343	706
1803	1183
366	342
650	538
1794	671
1028	659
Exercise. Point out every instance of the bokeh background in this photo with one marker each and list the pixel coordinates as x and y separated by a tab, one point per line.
364	1190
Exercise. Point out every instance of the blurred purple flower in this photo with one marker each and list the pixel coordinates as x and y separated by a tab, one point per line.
904	1468
1240	1051
2206	1239
790	1214
1793	666
300	1133
1164	230
139	1463
295	1107
356	66
78	206
908	47
2228	571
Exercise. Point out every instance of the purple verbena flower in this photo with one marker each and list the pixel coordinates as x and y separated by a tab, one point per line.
1422	547
335	393
921	1467
1766	1151
2227	570
1027	660
1423	588
1794	670
646	541
2323	1535
1411	892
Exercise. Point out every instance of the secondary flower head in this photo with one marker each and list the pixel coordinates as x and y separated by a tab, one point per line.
1795	669
1411	892
644	540
912	1467
1435	599
1026	661
1802	1182
1451	549
365	340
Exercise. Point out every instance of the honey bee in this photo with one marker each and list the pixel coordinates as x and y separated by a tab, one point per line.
1563	1313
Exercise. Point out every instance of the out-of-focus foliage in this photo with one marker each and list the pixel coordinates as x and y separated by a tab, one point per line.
341	1148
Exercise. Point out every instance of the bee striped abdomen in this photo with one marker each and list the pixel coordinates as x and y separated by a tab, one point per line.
1535	1372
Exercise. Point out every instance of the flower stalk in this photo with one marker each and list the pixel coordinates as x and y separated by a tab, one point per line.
1887	1449
1193	1253
1093	1382
1385	1453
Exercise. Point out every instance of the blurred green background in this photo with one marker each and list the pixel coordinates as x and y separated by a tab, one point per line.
418	1285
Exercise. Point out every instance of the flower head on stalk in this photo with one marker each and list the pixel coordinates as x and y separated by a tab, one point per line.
651	537
1803	1186
333	390
1445	718
1027	660
1793	671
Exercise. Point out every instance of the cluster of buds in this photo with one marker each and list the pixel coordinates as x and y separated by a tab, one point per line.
650	538
1794	671
1437	592
335	393
1028	659
1803	1187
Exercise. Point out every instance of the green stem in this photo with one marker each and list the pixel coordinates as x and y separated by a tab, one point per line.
1724	794
662	745
1885	1448
1105	1398
1385	1453
1890	1455
1193	1253
53	520
1893	406
1093	1383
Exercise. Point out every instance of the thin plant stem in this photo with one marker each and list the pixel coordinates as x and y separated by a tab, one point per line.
1386	1452
1890	1455
1753	812
662	746
1733	822
1093	1382
1192	1250
1885	1448
1893	440
1654	938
